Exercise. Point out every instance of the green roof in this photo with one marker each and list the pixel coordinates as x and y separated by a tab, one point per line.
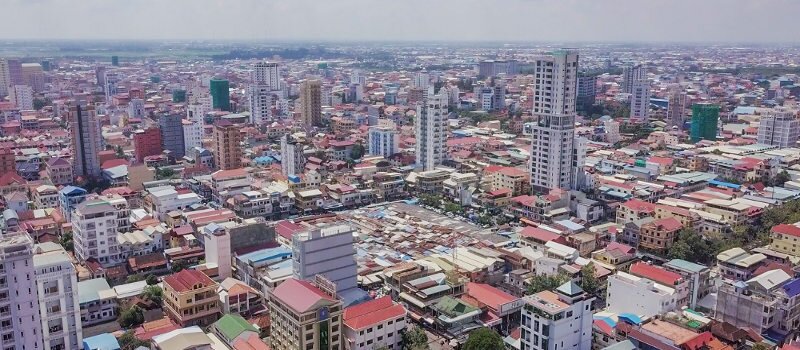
231	326
453	307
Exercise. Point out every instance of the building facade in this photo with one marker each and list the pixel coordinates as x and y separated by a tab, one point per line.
95	225
171	126
59	309
220	94
293	160
20	322
305	316
87	141
190	298
779	128
311	103
640	94
705	118
557	320
431	131
146	143
227	148
384	140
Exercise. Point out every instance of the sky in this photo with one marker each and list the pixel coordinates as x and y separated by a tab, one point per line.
750	21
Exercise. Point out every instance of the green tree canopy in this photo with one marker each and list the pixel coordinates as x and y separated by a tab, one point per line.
484	339
153	293
131	317
543	282
128	341
589	283
414	339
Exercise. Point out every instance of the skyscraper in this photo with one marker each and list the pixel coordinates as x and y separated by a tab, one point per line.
311	102
19	309
384	140
430	128
220	94
227	150
627	78
5	77
171	126
587	91
553	155
267	73
640	94
676	107
326	251
146	143
779	128
293	160
87	140
705	117
261	100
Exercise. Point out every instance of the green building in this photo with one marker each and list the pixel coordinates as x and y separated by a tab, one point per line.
220	94
705	117
115	61
178	96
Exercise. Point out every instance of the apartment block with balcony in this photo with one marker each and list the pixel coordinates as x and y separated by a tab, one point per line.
98	302
191	299
20	324
95	224
59	309
305	316
785	239
765	302
557	320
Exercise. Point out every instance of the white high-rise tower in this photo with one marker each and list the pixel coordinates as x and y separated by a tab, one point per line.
640	94
553	132
262	92
431	130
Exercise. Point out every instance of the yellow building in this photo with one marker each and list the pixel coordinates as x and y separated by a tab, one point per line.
785	239
305	316
190	298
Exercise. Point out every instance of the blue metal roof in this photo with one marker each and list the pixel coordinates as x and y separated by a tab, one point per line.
724	184
104	341
630	318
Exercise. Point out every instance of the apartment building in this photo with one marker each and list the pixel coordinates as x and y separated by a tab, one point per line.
97	302
627	293
785	239
557	320
768	301
698	277
305	316
59	308
59	170
95	225
374	324
20	322
190	298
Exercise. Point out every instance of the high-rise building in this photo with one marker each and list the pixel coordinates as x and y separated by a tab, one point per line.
198	110
87	141
384	139
136	108
20	322
171	126
587	89
192	135
557	320
220	94
33	76
22	96
111	80
553	133
95	225
311	103
57	290
421	80
100	75
115	61
227	148
267	73
261	99
611	128
628	72
779	128
705	117
305	316
146	143
5	77
293	161
640	94
676	107
326	251
490	68
431	131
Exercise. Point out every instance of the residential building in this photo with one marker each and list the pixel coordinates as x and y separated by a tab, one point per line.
5	77
699	277
305	316
311	103
21	96
460	187
676	107
384	140
33	76
98	302
261	98
136	108
267	73
236	297
785	239
430	128
627	293
164	199
557	320
192	135
628	73
20	322
705	117
87	141
59	170
146	143
514	179
736	264
587	91
327	251
374	324
45	196
171	126
766	302
57	290
553	131
640	94
95	225
658	235
220	94
293	159
779	128
190	298
68	198
227	147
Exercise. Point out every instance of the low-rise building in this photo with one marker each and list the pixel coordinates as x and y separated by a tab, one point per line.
557	320
98	302
190	298
627	293
374	324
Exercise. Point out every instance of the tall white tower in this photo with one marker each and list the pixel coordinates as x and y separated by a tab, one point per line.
640	94
262	93
431	130
267	73
553	132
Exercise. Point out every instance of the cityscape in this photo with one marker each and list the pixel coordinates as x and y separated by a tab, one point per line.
304	189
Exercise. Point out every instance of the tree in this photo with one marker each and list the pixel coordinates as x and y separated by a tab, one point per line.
134	278
544	282
178	265
131	317
589	282
781	178
39	103
128	341
153	293
761	346
484	339
693	247
119	152
357	151
151	279
414	339
164	173
66	241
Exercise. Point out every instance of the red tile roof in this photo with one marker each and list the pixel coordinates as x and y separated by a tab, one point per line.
489	296
538	234
185	279
299	295
249	342
639	205
372	313
785	229
655	273
511	171
668	224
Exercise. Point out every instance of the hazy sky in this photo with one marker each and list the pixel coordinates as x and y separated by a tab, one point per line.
354	20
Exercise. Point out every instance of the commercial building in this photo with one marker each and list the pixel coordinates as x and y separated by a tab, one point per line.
327	251
430	128
220	94
146	143
553	131
190	298
640	94
305	316
227	147
587	90
627	293
192	135
267	73
311	103
293	160
56	287
87	141
374	324
705	117
95	225
20	322
384	140
171	126
557	320
21	96
676	107
779	128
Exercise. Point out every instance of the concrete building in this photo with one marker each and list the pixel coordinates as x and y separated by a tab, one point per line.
190	298
627	293
33	76
59	170
165	199
98	302
192	135
146	143
95	225
628	73
698	276
293	160
227	148
374	324
220	94
20	322
676	107
779	128
261	98
587	90
21	96
611	128
767	302
171	126
384	140
59	309
705	117
136	108
311	103
640	94
430	128
326	251
557	320
87	141
785	239
553	133
5	77
267	73
305	316
421	80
